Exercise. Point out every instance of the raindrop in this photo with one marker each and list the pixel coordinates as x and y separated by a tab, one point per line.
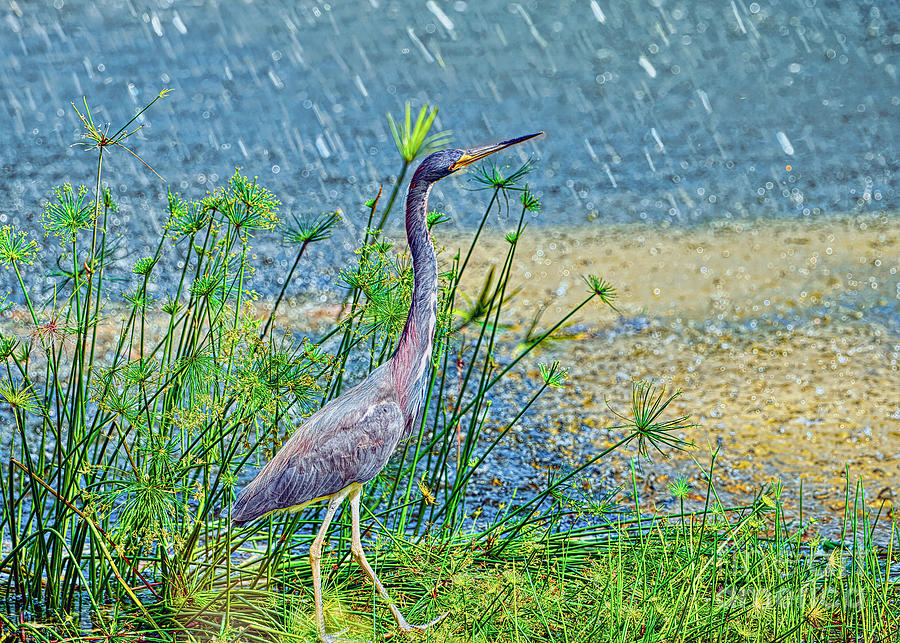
648	66
737	16
178	23
322	147
704	99
659	144
609	174
785	143
442	17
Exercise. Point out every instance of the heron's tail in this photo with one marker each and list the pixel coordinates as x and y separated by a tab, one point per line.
242	511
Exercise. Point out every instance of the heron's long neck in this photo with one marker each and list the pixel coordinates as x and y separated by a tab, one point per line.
414	350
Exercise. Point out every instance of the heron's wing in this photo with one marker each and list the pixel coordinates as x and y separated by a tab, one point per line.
332	449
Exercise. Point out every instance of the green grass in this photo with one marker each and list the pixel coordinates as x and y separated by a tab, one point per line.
125	458
743	574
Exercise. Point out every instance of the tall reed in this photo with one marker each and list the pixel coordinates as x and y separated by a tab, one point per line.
127	452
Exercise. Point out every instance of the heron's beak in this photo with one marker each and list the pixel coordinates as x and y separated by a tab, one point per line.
475	154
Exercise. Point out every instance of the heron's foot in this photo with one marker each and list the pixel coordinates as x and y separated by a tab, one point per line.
337	637
406	627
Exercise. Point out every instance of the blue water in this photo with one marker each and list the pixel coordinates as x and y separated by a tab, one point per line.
662	111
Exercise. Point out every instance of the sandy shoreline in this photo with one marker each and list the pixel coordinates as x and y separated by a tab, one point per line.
783	337
738	269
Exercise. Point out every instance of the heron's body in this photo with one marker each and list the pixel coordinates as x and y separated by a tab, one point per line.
349	440
333	449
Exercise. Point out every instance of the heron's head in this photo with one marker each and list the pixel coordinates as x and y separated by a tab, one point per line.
445	162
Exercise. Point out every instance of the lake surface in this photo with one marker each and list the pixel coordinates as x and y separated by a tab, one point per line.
685	117
678	111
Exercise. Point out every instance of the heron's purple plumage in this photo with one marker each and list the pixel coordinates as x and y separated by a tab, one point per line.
337	446
350	439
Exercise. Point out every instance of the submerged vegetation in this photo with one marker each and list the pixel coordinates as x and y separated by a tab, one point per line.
126	455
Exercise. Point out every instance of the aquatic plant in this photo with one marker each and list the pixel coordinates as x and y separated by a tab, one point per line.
412	141
127	452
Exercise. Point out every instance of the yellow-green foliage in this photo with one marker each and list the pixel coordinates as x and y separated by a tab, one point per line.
732	577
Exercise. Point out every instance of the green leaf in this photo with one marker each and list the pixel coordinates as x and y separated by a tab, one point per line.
413	141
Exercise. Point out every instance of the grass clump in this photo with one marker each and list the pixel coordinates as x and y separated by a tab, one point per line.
126	454
741	574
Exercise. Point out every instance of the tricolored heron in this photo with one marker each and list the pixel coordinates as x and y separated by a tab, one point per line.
349	440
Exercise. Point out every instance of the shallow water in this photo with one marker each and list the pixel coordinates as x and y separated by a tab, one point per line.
663	112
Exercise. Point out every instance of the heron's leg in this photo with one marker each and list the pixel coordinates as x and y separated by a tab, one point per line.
357	550
315	557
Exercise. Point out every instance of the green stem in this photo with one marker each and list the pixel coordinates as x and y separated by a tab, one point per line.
99	284
90	268
283	288
394	194
240	289
34	318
